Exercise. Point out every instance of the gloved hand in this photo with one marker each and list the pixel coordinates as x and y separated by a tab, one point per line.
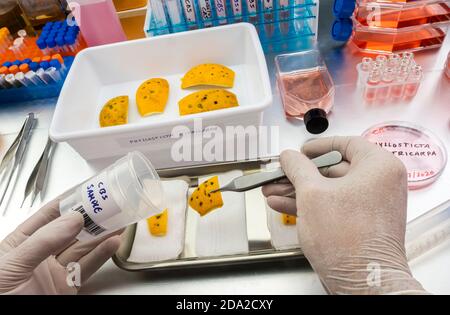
34	258
351	216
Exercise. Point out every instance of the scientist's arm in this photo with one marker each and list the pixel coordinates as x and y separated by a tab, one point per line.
34	259
351	217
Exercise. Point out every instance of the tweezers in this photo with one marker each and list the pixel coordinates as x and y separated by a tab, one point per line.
13	158
250	181
37	181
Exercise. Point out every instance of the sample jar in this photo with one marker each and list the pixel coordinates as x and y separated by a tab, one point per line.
306	88
39	12
11	16
122	194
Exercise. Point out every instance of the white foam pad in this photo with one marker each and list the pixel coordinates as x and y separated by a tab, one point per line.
149	248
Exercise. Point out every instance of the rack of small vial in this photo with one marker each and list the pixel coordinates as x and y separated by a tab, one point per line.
393	26
56	38
281	24
392	78
30	79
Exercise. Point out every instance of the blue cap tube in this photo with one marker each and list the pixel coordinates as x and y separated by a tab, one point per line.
34	66
342	29
44	65
343	8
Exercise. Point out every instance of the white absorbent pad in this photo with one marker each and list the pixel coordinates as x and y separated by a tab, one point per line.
282	236
223	231
149	248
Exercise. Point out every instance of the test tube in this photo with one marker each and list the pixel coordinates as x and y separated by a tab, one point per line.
20	77
61	44
393	60
386	80
399	86
51	44
173	11
413	82
44	65
34	66
268	17
366	64
11	80
61	68
236	7
3	83
252	9
206	11
372	85
4	70
33	78
189	10
46	58
24	68
381	60
13	69
221	11
58	57
159	16
408	56
53	73
46	79
41	43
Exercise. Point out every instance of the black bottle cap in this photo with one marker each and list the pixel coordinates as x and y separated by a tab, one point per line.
316	121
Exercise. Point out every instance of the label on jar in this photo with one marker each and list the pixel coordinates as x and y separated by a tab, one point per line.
97	204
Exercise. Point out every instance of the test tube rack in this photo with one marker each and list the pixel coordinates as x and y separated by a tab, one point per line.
392	78
282	25
35	92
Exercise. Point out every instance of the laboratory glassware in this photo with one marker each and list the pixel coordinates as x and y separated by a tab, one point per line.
98	21
422	153
306	88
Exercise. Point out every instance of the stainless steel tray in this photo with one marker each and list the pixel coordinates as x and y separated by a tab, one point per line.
260	247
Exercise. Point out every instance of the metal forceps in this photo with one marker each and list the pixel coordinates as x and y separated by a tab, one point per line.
12	161
36	183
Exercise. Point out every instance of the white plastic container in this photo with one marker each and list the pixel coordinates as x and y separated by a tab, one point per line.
103	72
122	194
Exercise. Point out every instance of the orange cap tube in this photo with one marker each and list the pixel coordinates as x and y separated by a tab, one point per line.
59	58
24	67
13	69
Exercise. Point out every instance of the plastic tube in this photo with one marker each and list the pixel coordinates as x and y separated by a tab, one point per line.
122	194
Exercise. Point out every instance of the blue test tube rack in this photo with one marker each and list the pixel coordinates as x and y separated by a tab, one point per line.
35	92
282	25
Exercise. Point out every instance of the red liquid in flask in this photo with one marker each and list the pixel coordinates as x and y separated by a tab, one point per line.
424	37
305	90
402	17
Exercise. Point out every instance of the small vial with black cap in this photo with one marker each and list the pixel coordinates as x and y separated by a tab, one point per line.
306	88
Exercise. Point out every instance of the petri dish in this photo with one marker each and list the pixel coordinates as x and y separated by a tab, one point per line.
422	153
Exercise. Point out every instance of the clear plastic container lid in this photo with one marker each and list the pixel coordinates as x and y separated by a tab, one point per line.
422	153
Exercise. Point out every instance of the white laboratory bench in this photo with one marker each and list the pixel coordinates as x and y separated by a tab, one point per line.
430	108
